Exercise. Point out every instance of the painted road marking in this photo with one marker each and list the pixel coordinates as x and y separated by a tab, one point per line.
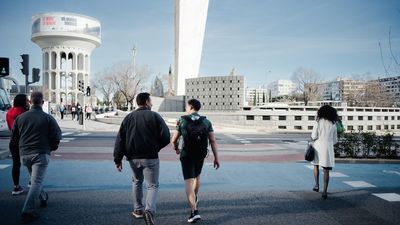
3	166
392	172
66	133
82	134
337	174
358	184
390	197
65	140
246	142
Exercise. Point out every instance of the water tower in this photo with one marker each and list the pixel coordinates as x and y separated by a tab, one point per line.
67	41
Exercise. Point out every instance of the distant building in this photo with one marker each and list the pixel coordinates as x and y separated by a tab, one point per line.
217	92
282	87
256	96
157	89
392	86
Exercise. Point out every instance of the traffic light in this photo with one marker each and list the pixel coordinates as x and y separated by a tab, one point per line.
81	86
35	75
87	91
4	67
25	64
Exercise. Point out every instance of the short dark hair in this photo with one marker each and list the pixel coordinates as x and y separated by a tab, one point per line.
195	104
20	100
327	112
36	98
141	98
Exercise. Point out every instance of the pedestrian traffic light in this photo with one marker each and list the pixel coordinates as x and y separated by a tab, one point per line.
81	86
88	91
35	75
25	64
4	67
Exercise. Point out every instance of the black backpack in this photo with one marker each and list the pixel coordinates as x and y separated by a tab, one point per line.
196	141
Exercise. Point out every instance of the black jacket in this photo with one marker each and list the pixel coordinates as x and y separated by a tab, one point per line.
35	132
143	133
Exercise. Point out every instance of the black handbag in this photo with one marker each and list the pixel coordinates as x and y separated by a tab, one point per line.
310	152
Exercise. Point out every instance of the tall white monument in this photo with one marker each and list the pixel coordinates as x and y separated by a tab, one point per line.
67	40
190	24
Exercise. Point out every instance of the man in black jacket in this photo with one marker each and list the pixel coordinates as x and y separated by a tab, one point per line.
142	135
35	134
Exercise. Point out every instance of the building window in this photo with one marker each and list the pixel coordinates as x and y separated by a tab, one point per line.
230	81
350	118
297	127
297	117
340	117
398	127
311	117
282	117
369	117
266	117
249	117
349	127
386	127
369	127
392	117
310	127
350	110
360	127
378	127
392	127
398	117
282	127
360	117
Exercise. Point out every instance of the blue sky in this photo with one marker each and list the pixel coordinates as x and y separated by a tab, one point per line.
263	40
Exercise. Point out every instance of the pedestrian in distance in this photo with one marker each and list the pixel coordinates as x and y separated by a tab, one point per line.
197	133
35	144
143	133
324	135
62	111
20	105
73	111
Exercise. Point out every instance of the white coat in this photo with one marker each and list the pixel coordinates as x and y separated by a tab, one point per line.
325	135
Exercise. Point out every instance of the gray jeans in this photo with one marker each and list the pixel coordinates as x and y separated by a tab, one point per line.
148	170
37	166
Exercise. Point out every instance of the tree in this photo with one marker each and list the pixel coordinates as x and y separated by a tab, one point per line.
104	84
307	81
126	80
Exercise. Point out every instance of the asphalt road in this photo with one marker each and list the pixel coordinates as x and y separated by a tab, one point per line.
260	182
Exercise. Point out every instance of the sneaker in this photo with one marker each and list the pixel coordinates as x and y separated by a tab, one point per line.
148	218
29	217
17	190
194	217
137	214
43	202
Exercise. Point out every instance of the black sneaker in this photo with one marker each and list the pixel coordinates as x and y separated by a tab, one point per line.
194	216
43	201
29	217
137	214
148	218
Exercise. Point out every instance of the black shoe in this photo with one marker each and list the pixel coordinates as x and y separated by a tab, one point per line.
324	196
138	214
29	217
316	188
194	216
148	218
43	202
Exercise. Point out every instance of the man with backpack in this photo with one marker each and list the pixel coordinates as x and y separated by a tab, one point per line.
197	132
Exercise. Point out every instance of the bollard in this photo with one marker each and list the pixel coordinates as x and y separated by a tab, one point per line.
81	118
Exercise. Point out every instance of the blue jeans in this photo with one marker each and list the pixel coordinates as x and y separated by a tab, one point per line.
37	166
148	170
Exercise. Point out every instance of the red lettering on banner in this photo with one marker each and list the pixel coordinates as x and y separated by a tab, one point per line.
48	21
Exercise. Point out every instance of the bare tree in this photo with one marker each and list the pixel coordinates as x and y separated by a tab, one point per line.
307	81
376	95
391	63
104	84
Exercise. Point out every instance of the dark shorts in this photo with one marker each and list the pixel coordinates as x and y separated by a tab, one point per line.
326	168
191	168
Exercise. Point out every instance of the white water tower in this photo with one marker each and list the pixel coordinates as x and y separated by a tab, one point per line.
67	41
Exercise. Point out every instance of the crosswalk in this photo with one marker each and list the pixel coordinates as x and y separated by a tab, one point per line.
390	197
73	134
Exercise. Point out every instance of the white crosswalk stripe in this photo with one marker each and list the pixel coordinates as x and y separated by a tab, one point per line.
67	133
81	134
359	184
390	197
3	166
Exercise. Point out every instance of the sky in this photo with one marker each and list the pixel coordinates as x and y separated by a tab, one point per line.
264	40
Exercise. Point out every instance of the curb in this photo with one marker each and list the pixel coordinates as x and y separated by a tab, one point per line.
367	161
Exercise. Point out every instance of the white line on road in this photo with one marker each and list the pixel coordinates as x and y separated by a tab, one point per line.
246	142
358	184
3	166
66	133
82	134
390	197
337	174
392	172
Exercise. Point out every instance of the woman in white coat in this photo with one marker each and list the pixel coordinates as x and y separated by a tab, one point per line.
324	135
